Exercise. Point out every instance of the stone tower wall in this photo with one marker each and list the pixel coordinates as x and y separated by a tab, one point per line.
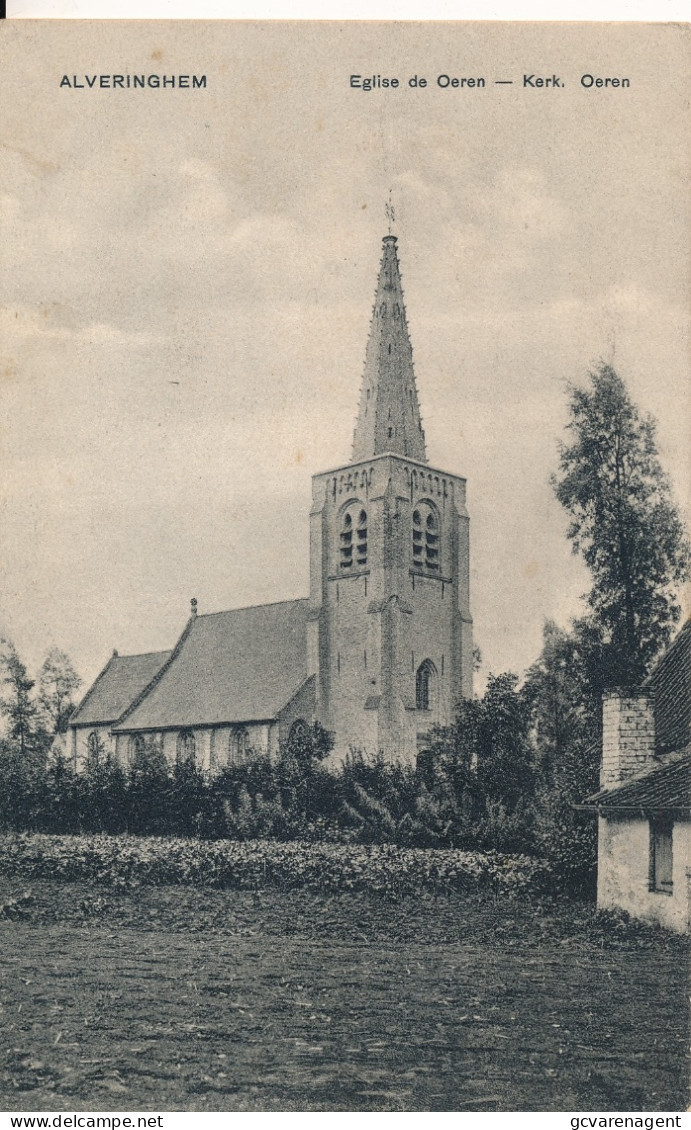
372	627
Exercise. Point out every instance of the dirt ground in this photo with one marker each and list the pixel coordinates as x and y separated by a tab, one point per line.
176	999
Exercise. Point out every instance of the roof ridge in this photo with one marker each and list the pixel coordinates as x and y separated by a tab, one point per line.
143	654
250	607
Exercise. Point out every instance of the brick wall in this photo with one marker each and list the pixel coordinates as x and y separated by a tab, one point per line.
628	736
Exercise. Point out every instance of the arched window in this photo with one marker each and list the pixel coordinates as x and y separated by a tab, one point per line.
239	745
298	731
426	533
187	746
426	686
93	747
135	747
352	546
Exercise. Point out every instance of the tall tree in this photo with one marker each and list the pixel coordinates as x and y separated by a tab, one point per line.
57	682
17	703
624	523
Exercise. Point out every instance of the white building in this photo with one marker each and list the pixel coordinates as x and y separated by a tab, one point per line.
644	802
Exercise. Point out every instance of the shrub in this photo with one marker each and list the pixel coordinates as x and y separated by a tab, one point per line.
383	870
567	839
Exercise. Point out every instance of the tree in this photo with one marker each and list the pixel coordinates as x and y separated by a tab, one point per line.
148	790
486	753
504	755
57	682
565	725
563	716
104	791
18	706
625	525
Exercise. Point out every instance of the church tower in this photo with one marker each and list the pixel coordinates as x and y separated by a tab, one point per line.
390	632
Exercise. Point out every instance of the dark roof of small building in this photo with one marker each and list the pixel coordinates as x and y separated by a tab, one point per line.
670	682
238	666
122	679
667	789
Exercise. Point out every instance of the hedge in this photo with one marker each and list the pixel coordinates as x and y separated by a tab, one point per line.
382	869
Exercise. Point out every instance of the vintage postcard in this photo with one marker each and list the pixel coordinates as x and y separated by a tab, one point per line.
345	473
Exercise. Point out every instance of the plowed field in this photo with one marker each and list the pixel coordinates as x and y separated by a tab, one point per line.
174	999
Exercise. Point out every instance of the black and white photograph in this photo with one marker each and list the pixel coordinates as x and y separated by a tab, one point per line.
345	651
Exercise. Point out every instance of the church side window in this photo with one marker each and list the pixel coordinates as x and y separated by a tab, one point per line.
425	686
135	747
298	731
426	538
239	745
93	747
187	746
352	542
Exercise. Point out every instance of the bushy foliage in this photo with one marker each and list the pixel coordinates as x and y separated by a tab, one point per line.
384	870
291	796
104	792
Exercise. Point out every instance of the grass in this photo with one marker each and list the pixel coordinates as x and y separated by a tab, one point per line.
180	999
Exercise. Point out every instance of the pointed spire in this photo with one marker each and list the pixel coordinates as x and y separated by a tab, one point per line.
389	416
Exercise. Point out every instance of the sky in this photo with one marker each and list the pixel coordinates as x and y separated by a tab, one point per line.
186	280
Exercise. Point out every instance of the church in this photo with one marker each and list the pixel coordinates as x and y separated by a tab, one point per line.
381	649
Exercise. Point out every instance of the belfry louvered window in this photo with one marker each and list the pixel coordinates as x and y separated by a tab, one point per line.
361	539
346	543
426	537
352	547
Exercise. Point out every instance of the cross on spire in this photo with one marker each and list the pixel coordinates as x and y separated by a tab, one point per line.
389	209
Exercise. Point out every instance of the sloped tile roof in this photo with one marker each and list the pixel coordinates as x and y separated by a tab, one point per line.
122	679
670	681
238	666
665	789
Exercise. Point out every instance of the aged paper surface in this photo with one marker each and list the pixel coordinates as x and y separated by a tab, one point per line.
188	276
192	223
